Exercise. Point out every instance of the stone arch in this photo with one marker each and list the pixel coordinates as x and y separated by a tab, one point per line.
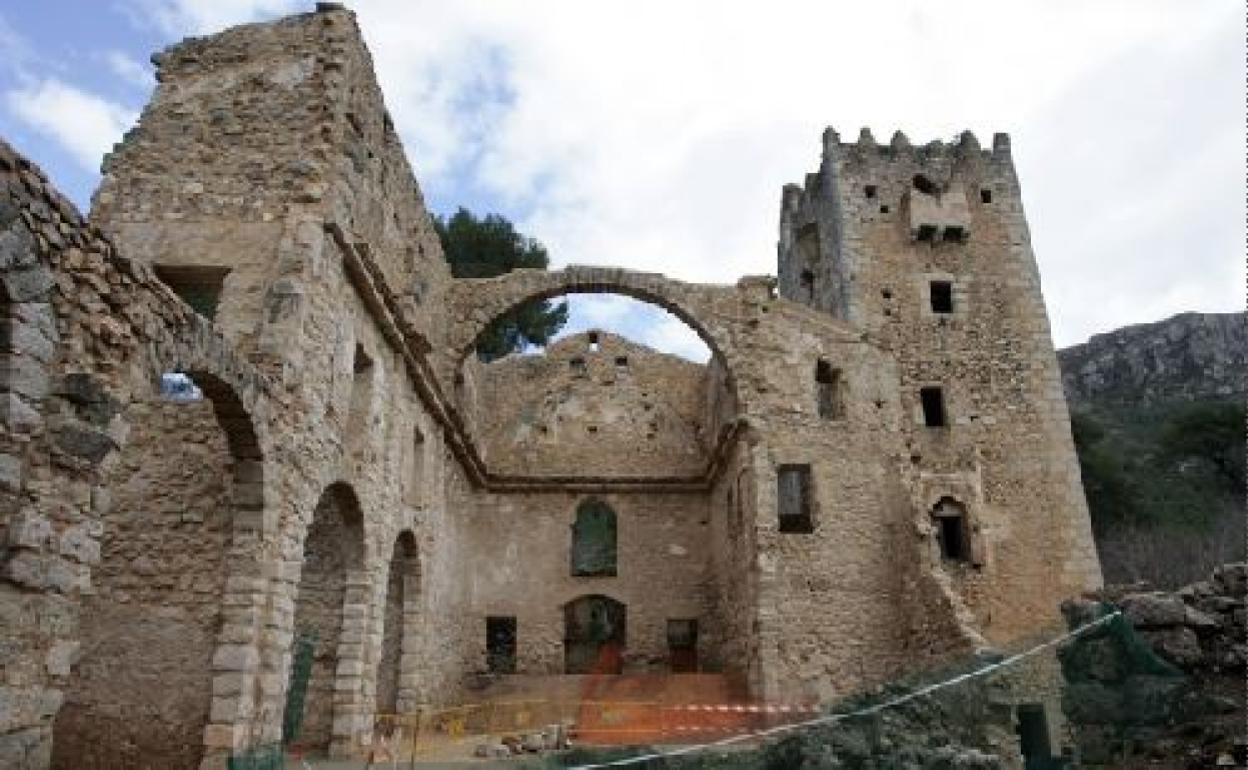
595	635
159	633
330	620
86	334
480	301
396	664
594	539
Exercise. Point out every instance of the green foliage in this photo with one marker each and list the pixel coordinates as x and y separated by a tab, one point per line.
1210	433
1105	479
488	246
1170	465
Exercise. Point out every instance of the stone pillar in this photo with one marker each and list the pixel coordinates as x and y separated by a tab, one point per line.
275	647
236	667
351	713
409	696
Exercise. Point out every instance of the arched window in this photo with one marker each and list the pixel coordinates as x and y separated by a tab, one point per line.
593	539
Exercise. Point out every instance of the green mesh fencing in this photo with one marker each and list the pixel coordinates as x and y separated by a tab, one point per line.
296	694
259	758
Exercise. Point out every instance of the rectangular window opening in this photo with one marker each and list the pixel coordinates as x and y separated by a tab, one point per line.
953	538
197	285
830	390
941	296
926	233
793	499
682	645
500	644
933	407
985	195
954	234
870	190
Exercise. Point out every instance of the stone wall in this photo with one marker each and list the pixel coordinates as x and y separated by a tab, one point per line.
86	332
333	552
1166	687
149	628
888	222
607	408
661	573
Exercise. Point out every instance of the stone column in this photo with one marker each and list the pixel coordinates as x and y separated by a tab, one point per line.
351	713
410	692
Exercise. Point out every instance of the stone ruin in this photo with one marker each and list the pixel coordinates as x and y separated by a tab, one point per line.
243	428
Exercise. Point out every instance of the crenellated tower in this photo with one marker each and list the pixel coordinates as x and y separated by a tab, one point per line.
927	249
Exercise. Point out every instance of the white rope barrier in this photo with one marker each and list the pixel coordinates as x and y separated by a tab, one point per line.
834	718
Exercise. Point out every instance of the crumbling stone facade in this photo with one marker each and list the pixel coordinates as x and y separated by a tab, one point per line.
782	514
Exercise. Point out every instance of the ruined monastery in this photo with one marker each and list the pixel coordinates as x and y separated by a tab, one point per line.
873	473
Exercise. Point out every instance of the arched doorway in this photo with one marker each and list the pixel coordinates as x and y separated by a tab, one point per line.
333	549
594	635
397	640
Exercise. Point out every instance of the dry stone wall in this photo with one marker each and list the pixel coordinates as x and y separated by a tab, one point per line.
1165	687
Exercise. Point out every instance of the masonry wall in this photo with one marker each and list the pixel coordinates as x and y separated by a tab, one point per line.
523	569
140	692
734	565
609	408
1007	453
828	599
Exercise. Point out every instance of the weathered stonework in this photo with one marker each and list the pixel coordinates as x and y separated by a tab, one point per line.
352	470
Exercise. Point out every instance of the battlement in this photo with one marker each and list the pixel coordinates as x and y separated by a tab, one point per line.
899	160
965	145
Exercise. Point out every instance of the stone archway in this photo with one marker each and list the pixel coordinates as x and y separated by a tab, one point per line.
330	607
707	310
395	694
183	486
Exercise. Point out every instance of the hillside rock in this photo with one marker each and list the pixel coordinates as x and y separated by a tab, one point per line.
1191	356
1167	685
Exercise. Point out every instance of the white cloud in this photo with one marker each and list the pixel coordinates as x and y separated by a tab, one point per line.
129	70
199	17
641	322
85	124
671	335
657	136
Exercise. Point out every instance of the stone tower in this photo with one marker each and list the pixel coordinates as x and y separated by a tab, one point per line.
927	250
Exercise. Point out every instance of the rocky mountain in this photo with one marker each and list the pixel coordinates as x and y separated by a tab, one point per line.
1189	357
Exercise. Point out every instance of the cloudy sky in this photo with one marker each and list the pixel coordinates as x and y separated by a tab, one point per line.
657	135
